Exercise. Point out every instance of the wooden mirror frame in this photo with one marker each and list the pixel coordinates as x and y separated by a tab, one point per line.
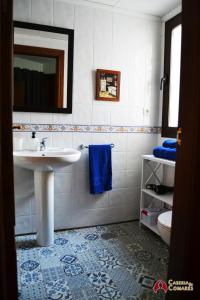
70	34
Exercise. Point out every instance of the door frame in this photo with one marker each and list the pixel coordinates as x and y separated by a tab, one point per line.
184	250
8	281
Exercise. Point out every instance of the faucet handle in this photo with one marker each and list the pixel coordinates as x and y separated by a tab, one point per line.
44	139
43	144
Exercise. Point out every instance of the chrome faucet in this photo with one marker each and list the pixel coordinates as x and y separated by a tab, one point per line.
43	144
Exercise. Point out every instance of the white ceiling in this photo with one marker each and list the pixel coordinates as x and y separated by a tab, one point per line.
152	7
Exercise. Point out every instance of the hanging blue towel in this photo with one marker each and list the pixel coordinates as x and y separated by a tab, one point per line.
100	165
169	143
166	153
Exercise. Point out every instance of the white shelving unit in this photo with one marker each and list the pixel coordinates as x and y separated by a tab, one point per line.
153	172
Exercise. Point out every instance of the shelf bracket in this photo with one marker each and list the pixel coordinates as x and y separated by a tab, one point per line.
153	172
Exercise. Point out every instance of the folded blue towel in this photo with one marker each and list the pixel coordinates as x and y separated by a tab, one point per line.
169	143
166	153
100	164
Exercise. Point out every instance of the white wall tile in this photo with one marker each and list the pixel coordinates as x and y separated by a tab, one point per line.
66	169
133	179
63	183
63	14
82	114
101	216
133	161
62	118
123	197
41	118
101	138
63	207
118	161
103	51
25	136
80	138
119	179
24	191
22	10
83	87
102	40
23	225
100	115
21	117
42	12
80	184
82	165
62	139
119	116
88	201
34	223
141	143
119	141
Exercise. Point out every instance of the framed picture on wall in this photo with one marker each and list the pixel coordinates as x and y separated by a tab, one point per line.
107	85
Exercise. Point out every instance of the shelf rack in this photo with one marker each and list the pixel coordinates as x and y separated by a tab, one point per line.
153	171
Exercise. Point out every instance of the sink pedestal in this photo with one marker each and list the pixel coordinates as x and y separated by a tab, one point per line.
44	194
44	164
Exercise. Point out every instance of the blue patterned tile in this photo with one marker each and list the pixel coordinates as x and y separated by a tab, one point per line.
107	259
82	265
33	277
46	252
109	292
29	265
147	281
68	259
60	241
134	247
53	274
58	289
80	247
144	256
99	278
91	237
104	286
33	292
73	270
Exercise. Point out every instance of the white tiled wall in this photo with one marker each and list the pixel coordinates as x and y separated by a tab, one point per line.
103	39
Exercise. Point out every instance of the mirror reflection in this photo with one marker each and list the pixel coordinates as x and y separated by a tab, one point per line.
35	83
43	65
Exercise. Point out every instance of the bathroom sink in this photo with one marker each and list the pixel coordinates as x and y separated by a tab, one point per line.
44	164
48	160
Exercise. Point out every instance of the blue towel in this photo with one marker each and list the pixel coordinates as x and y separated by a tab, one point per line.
100	165
169	143
166	153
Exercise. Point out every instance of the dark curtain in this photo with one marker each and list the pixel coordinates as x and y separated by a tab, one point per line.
33	88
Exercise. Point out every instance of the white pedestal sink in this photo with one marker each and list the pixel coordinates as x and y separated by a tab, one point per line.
44	163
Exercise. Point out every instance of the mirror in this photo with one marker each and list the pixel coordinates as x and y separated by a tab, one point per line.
43	68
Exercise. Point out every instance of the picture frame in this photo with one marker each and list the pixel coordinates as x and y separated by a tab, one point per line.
108	85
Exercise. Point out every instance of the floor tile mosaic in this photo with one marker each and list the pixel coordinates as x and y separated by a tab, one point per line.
119	262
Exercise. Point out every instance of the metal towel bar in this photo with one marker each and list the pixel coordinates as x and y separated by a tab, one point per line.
86	146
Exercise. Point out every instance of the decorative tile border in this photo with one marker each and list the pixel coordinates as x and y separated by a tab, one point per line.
87	128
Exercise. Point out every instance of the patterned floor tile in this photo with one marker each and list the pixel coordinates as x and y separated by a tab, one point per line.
83	265
58	289
104	286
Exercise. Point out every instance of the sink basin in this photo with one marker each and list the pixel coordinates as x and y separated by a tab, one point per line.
44	163
48	160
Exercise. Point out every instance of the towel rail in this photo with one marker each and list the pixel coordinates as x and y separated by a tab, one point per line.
86	146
